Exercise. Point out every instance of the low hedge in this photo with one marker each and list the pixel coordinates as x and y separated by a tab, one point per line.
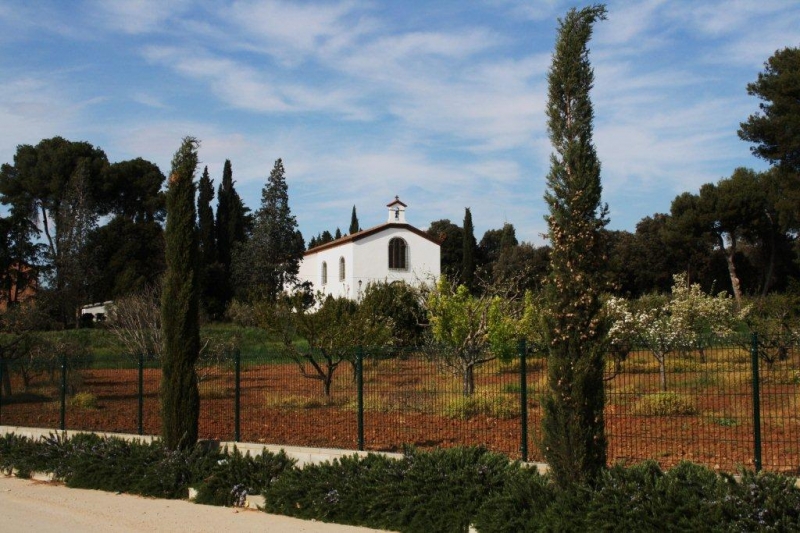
643	498
439	491
148	469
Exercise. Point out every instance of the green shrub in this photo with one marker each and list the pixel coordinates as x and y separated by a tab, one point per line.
235	476
17	454
665	404
438	491
524	496
340	491
763	502
83	400
494	405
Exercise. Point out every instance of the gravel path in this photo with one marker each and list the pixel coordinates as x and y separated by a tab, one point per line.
27	505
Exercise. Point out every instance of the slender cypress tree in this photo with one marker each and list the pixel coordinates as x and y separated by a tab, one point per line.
231	229
354	222
574	432
180	401
338	234
224	226
468	252
207	253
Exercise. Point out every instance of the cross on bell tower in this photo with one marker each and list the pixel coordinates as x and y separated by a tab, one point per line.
397	211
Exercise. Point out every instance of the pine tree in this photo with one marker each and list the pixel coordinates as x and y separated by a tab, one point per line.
207	253
338	234
574	433
271	257
354	228
180	400
468	252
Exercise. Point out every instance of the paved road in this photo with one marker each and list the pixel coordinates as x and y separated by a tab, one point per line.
27	505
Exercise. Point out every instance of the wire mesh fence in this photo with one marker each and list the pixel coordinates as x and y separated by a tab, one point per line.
729	403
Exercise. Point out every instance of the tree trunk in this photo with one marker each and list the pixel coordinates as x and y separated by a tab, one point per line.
730	254
469	380
771	261
6	385
662	372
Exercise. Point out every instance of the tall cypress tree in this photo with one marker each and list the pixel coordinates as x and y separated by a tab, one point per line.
574	432
231	228
180	400
468	252
207	253
354	222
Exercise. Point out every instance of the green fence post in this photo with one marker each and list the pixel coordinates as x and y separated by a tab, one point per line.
360	389
63	392
237	397
756	404
2	364
141	394
523	399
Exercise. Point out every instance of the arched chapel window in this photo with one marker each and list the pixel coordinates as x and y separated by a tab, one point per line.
341	269
324	273
398	254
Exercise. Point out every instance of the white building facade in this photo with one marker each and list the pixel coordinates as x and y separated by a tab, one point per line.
393	251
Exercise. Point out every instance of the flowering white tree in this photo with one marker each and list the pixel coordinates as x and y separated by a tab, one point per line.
668	324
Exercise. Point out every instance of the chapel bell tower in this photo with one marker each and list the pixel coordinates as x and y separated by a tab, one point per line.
397	211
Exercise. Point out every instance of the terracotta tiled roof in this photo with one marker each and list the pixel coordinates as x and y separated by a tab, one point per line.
366	233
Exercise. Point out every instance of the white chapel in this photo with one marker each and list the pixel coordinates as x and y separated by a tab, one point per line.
392	251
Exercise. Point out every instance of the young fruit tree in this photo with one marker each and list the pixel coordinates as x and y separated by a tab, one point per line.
468	331
332	332
574	441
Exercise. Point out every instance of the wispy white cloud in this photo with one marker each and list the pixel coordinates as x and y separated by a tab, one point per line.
32	108
293	31
136	16
241	86
440	103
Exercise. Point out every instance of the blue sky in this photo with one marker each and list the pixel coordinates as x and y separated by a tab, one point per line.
439	102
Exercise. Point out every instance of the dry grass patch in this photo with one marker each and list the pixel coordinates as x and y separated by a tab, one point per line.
495	405
298	401
84	400
210	391
665	404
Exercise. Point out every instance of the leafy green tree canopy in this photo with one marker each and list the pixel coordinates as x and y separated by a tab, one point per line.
775	130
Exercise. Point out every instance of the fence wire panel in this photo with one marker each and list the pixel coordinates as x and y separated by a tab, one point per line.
30	392
102	396
304	402
216	385
412	397
698	405
779	393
